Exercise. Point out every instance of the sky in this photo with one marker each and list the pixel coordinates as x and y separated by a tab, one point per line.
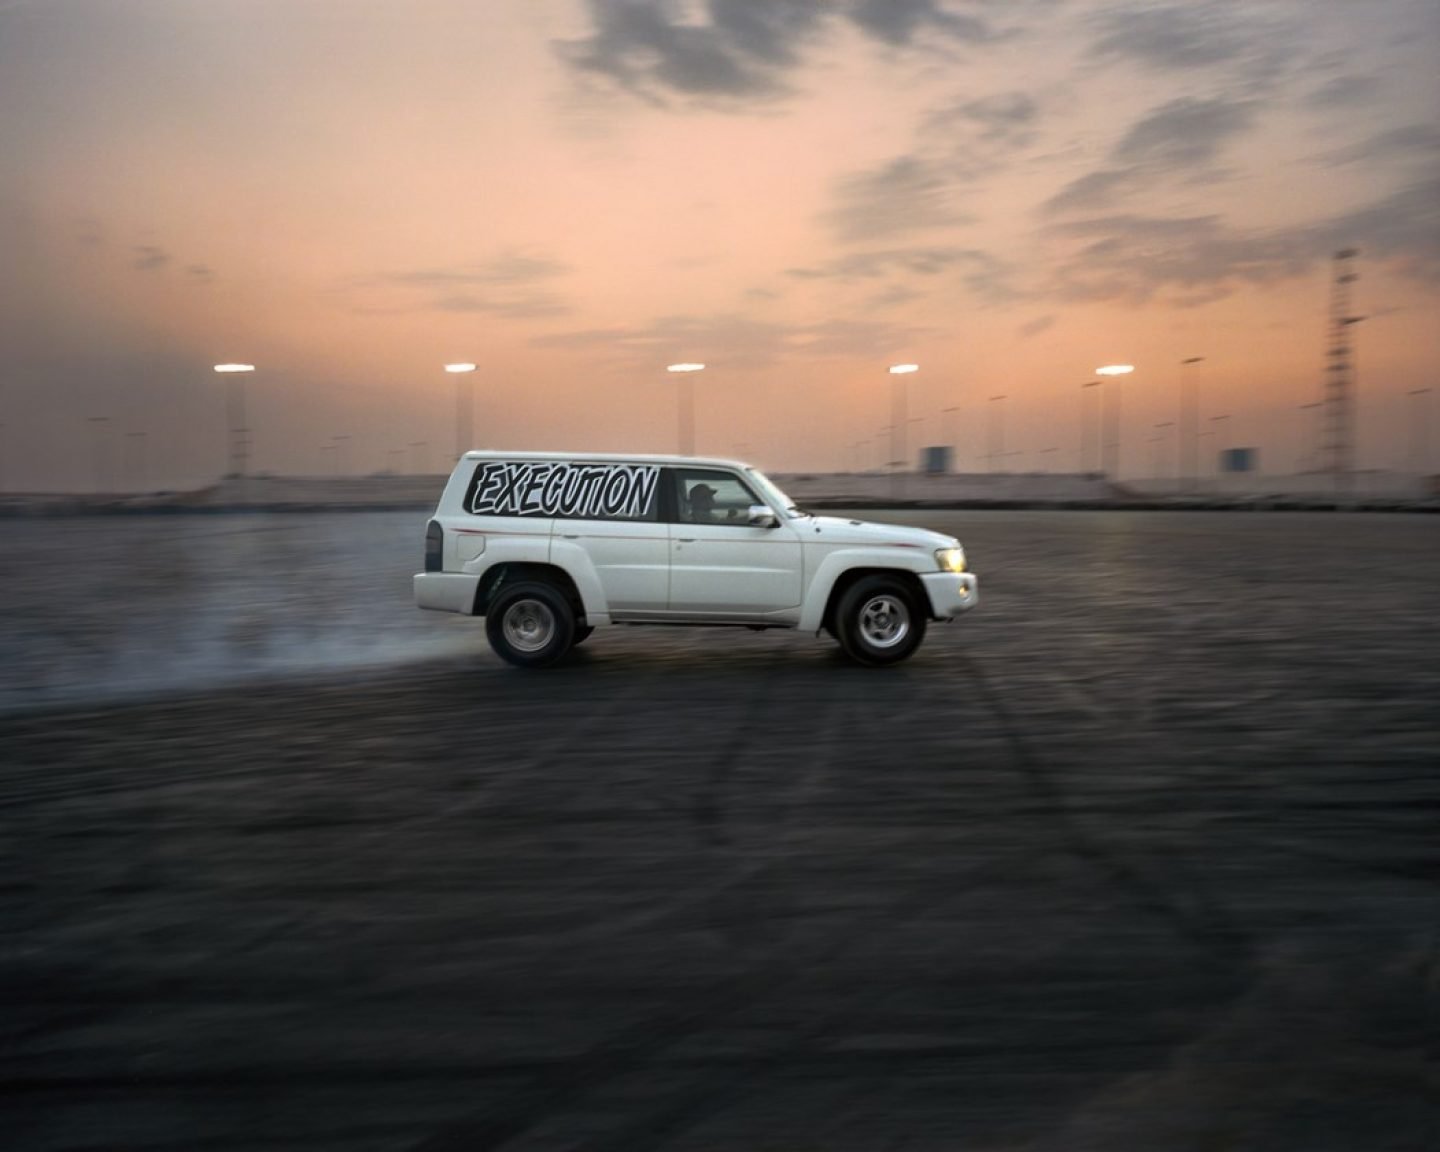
573	194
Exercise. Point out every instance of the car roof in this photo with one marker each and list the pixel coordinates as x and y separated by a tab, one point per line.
479	454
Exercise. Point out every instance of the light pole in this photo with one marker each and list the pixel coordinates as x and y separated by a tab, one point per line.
899	403
418	462
947	419
464	406
1161	436
685	407
997	430
1420	431
1187	435
237	432
1089	458
1112	422
342	455
1219	446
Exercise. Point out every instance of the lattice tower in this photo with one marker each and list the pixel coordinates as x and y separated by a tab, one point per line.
1338	448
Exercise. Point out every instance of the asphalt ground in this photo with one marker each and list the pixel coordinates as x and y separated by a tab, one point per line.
1142	854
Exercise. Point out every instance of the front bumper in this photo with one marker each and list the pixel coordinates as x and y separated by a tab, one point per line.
950	593
447	591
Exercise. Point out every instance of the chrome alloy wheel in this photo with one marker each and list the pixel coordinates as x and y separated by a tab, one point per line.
529	625
884	621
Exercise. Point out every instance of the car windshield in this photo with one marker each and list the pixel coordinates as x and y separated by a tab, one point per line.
771	491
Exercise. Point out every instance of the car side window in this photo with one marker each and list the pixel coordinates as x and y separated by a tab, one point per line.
572	490
705	496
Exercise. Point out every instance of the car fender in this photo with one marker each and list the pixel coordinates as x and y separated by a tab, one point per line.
576	562
895	557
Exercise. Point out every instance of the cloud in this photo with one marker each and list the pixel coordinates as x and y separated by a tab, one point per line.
734	342
1185	133
894	296
1403	227
1095	190
977	268
1418	142
1191	260
882	262
517	308
652	47
983	274
149	258
978	136
739	51
1344	92
1003	116
898	22
508	268
89	232
1187	35
908	194
1184	136
1036	326
1136	258
513	284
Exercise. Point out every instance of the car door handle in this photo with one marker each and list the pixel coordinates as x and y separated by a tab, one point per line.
685	539
571	535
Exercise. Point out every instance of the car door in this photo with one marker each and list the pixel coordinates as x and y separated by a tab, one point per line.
721	565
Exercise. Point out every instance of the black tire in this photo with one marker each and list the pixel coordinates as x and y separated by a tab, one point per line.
878	621
530	624
582	633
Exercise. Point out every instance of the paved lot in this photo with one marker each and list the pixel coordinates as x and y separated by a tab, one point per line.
1140	855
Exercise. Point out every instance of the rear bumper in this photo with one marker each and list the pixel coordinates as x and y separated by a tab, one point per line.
446	591
950	593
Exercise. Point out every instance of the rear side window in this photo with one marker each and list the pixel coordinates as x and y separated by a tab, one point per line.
572	490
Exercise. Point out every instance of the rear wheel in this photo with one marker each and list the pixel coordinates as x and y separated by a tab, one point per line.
530	624
878	621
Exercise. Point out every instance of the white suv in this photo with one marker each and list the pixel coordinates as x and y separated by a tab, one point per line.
547	547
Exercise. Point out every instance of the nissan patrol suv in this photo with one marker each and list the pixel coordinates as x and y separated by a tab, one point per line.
547	547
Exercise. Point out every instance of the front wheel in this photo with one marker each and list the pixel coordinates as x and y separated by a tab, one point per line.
878	621
530	624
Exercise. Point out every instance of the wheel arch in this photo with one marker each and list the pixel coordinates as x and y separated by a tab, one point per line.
851	576
514	572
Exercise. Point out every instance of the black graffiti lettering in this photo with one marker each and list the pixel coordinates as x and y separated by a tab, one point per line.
589	488
571	497
643	490
617	492
485	488
587	491
554	483
530	489
509	498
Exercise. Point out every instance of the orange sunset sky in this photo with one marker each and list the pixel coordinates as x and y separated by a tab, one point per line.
574	193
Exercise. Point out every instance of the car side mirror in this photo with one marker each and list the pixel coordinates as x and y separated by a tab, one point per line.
762	516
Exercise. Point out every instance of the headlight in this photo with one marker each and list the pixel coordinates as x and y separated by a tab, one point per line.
950	559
